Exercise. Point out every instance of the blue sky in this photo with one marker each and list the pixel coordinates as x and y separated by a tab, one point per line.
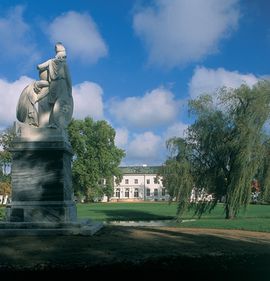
135	63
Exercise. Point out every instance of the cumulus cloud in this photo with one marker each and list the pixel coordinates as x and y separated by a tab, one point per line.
88	100
155	108
175	130
177	32
80	35
16	41
9	95
208	81
144	148
121	137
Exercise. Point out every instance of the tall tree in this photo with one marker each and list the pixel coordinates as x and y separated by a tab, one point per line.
227	141
224	145
263	175
176	173
251	109
96	160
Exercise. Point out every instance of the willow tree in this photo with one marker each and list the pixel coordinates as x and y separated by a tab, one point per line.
264	174
226	140
176	173
96	160
209	138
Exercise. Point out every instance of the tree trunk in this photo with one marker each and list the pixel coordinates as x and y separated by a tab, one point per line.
229	212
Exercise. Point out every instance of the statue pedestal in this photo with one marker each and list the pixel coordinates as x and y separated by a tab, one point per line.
42	193
41	182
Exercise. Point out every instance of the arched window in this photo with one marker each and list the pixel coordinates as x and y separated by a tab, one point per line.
117	193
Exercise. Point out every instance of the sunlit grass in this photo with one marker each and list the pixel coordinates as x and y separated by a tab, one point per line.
254	218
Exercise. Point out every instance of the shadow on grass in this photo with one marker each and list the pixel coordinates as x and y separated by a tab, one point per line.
157	252
127	214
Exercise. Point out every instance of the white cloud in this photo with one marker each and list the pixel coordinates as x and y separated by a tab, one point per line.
9	96
177	32
155	108
80	35
88	100
207	81
16	42
121	137
175	130
144	147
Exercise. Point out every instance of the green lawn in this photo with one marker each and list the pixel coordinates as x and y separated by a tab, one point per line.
126	211
256	217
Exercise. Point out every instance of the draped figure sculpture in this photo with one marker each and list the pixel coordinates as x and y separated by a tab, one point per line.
26	111
53	92
56	109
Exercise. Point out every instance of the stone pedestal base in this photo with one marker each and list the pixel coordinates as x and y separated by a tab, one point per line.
38	211
42	200
86	228
41	181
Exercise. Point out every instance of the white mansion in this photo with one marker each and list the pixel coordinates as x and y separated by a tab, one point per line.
140	183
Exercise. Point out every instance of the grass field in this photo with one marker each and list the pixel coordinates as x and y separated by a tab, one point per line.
255	218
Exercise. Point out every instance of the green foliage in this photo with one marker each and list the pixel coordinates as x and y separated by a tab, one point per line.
96	158
227	142
264	173
226	147
209	138
6	138
250	112
176	173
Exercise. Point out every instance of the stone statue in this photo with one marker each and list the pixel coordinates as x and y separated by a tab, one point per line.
56	110
42	192
31	94
53	92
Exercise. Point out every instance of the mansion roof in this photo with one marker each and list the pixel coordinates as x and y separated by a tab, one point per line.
140	169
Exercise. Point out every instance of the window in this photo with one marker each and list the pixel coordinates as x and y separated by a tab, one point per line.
155	192
102	182
136	181
117	193
163	191
148	192
136	192
127	192
126	181
148	181
156	180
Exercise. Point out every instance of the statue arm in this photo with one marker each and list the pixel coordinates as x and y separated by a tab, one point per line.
43	65
42	94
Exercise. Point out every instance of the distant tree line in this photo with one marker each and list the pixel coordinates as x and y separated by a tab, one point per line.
224	150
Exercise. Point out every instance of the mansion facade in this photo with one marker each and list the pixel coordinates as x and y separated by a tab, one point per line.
140	183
